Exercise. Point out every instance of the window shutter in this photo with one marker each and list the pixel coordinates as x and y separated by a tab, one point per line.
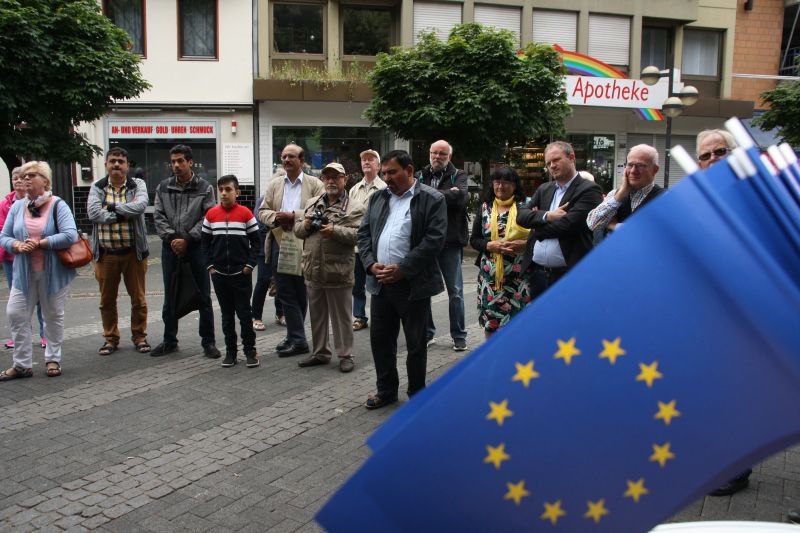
556	27
502	18
609	39
437	17
660	143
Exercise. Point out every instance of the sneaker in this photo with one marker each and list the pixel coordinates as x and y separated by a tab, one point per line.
230	359
44	343
346	364
252	359
211	351
163	349
9	345
460	345
431	342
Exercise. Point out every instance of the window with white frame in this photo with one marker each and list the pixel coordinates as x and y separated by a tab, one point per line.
701	52
556	27
435	17
501	18
609	39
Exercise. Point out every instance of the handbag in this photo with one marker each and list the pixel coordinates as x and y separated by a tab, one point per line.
290	255
78	253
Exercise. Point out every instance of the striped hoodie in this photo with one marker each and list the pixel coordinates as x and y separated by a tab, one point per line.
229	239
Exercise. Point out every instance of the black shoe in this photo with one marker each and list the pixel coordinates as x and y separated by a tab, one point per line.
793	516
211	351
460	345
163	349
281	345
311	360
293	349
230	359
252	359
733	486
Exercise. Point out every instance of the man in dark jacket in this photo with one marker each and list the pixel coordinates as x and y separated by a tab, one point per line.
400	237
443	176
181	203
556	216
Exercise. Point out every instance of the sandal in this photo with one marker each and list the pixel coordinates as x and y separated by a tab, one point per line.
259	325
143	347
19	373
376	402
359	324
107	349
53	371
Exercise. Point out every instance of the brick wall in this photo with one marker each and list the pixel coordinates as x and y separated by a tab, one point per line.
757	48
81	194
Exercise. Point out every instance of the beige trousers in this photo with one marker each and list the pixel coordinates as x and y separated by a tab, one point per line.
336	306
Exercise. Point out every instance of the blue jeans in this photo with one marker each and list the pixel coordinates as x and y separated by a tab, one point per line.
359	292
8	268
294	299
262	288
169	262
450	264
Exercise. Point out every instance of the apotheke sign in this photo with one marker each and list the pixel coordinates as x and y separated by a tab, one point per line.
162	129
614	92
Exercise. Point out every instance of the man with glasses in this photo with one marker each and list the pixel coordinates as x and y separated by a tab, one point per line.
638	187
713	146
443	176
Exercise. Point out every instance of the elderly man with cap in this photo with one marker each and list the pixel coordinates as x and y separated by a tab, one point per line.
328	226
361	192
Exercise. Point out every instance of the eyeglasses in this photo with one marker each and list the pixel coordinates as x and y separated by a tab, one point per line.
331	177
440	153
637	166
719	152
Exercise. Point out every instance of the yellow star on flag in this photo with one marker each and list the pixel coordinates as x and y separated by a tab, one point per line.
612	350
649	373
662	454
667	411
553	511
525	373
499	412
496	455
636	489
516	491
566	350
597	510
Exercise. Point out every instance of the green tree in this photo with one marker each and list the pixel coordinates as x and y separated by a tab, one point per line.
61	63
784	111
473	90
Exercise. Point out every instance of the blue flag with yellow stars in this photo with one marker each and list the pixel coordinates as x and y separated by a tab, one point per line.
660	367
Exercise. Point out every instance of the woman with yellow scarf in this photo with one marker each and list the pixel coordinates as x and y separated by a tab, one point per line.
502	285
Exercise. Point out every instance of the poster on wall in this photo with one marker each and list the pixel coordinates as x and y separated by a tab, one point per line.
237	159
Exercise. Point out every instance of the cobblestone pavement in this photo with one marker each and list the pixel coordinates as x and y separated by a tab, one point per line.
133	443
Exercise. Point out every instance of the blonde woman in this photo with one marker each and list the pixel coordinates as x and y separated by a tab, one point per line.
30	234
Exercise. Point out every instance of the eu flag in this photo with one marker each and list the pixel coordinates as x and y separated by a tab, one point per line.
661	366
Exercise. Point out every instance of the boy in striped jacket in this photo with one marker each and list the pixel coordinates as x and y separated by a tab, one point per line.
230	243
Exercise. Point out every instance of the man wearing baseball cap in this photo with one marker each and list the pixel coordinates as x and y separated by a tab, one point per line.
328	226
361	192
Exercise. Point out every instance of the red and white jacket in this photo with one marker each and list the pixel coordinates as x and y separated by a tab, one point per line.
229	239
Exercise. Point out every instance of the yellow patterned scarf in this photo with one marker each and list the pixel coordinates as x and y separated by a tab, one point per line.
513	232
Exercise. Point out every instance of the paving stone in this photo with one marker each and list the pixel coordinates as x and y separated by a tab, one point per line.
117	510
70	521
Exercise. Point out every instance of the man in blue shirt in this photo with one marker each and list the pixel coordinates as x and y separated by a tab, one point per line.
400	237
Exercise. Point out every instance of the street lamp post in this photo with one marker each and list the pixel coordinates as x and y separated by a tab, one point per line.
672	106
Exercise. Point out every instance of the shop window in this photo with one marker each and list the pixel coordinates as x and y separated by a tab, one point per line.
323	144
298	28
438	18
556	27
656	47
595	154
149	159
197	28
701	52
366	31
129	15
